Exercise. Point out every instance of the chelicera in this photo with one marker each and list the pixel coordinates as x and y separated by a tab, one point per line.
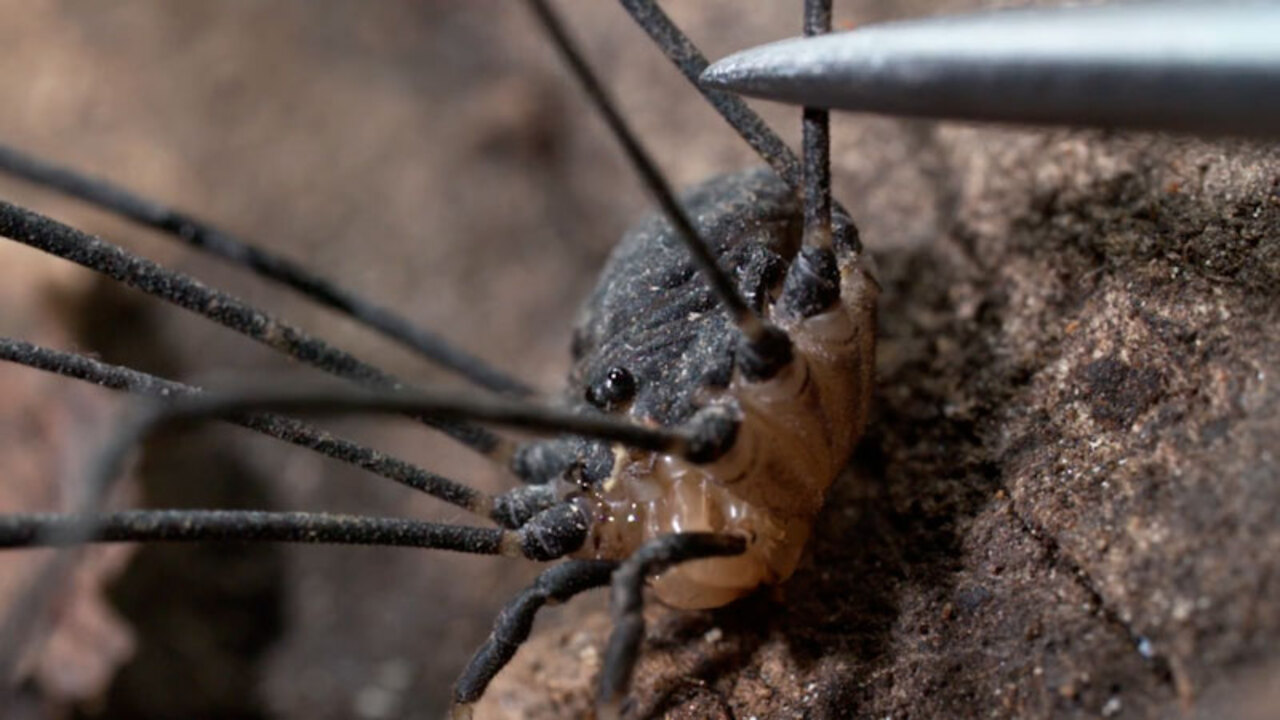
722	374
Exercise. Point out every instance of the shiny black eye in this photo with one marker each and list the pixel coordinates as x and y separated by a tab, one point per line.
614	390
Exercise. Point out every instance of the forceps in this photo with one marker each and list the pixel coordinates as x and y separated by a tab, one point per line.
1210	68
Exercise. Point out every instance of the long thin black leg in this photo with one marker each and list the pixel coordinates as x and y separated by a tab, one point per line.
764	349
690	61
203	236
283	428
509	509
507	411
56	530
750	324
706	439
512	627
817	146
552	533
686	56
703	439
549	535
813	280
627	603
50	236
445	403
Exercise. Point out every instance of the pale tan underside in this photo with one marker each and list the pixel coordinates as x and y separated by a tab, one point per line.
797	433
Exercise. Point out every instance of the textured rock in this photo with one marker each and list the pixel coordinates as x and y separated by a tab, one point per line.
1067	503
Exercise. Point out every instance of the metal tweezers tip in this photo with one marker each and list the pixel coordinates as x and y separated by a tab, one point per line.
1202	67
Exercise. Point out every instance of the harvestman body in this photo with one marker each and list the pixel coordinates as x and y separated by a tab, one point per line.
650	344
723	370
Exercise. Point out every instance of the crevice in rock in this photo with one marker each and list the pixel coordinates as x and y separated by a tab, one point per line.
1159	664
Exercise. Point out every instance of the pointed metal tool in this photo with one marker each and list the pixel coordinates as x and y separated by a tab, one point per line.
1202	67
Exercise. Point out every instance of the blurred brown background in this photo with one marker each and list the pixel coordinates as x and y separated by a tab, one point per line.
1066	506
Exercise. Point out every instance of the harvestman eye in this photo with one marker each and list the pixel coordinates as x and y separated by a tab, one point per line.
613	391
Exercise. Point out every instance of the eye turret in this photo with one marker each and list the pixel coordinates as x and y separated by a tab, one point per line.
613	391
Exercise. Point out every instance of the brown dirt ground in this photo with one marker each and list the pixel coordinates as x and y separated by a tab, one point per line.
1066	504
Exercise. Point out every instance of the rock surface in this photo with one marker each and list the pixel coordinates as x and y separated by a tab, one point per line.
1066	505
